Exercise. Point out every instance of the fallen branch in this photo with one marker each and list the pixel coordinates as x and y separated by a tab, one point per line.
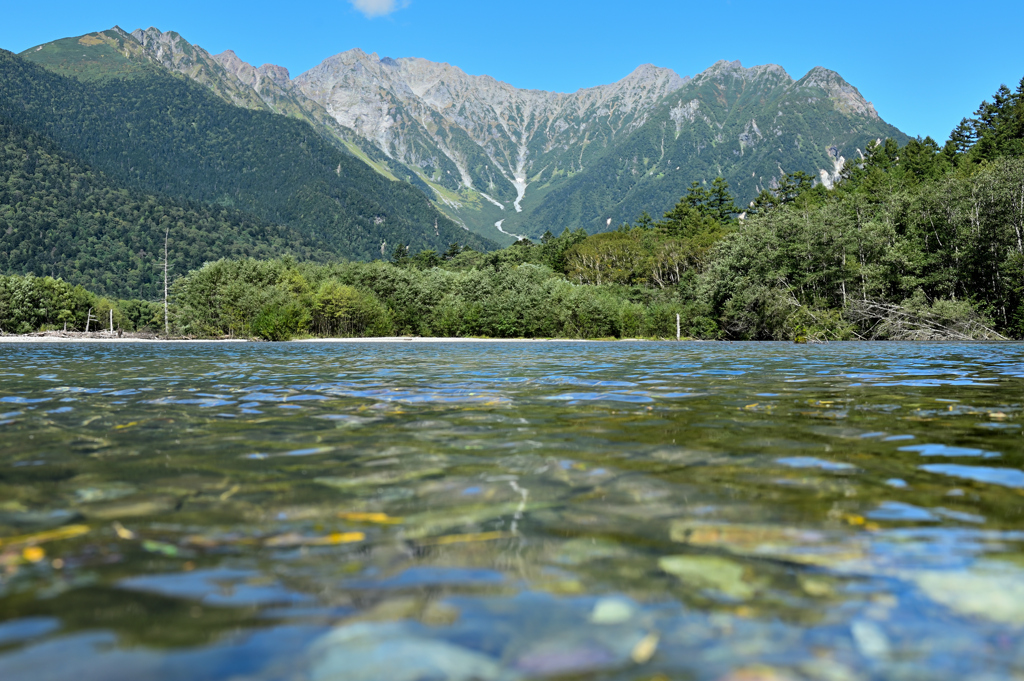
880	319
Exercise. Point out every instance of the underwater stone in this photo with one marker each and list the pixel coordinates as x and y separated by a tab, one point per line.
393	651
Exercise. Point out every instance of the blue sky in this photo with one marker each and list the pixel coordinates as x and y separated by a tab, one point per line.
924	65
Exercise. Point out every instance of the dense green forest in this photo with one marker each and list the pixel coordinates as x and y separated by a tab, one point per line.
513	293
161	135
916	241
29	304
59	217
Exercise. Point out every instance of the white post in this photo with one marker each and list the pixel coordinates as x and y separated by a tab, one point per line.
111	320
88	317
678	330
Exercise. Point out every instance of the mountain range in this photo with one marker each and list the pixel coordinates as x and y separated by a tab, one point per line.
487	153
116	140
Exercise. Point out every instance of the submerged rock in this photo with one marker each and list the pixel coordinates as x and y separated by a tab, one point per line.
871	641
38	520
583	550
770	541
130	509
582	649
555	658
580	654
990	590
394	651
612	611
711	572
103	492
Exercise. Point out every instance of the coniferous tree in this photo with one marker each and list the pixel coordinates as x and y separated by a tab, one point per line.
400	255
720	205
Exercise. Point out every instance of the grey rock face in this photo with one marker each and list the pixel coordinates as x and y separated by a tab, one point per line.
846	97
170	50
257	78
417	111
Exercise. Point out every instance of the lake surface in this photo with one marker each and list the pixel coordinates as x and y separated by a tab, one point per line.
414	512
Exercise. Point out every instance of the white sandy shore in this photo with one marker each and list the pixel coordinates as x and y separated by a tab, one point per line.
22	340
419	339
390	339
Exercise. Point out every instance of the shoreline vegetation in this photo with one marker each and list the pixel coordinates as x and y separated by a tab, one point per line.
93	338
919	242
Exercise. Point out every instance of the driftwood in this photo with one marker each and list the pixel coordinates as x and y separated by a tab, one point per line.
878	319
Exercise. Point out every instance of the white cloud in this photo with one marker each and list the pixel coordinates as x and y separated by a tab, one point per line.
378	8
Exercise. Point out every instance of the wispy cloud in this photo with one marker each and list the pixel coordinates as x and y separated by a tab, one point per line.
378	8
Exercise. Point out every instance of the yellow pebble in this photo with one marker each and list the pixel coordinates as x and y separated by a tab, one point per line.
380	518
33	554
463	538
337	538
122	531
644	650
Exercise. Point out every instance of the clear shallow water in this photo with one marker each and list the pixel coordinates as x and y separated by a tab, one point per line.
511	511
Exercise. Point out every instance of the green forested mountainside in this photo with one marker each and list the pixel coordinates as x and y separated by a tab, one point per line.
165	135
96	56
914	243
114	53
61	218
746	125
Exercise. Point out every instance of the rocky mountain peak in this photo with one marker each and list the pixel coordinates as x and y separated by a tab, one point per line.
227	75
649	74
155	39
489	135
735	69
240	69
278	74
251	76
846	97
720	68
